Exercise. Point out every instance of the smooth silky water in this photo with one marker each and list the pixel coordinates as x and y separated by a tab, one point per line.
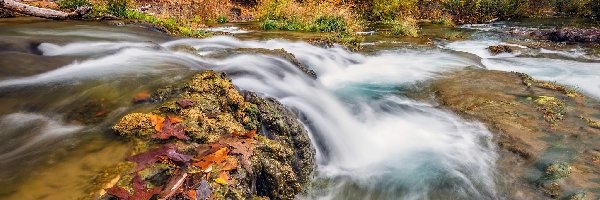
61	90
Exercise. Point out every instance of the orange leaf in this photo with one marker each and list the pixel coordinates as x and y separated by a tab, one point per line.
141	96
192	194
217	157
175	119
249	134
157	121
230	164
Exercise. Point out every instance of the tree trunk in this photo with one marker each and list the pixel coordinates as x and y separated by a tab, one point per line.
42	12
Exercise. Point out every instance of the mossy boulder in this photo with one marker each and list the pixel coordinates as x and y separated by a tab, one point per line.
207	139
498	49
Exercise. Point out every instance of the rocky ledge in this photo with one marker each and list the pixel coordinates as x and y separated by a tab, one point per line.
567	34
548	134
208	141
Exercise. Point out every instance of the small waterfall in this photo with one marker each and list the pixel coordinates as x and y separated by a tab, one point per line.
372	143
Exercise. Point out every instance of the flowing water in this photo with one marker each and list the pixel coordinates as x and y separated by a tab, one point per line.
61	89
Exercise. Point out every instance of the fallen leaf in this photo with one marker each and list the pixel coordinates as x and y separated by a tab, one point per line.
157	121
184	103
214	158
220	181
142	96
243	147
192	194
247	134
175	119
203	191
140	191
230	164
145	159
168	130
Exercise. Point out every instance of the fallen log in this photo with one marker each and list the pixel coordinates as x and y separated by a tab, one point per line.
25	9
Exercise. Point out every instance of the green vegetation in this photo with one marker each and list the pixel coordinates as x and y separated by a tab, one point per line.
72	4
170	25
222	19
390	9
328	24
117	7
407	27
445	21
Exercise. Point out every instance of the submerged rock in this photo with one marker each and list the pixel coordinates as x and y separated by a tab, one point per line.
546	143
208	141
280	53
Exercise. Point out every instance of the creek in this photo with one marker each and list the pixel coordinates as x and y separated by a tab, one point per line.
63	84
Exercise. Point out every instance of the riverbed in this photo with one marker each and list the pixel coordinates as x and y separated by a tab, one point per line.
63	85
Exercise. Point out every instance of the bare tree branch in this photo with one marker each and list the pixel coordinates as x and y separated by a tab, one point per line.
42	12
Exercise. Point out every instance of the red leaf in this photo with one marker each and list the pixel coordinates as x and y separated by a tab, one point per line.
118	192
145	159
184	103
169	130
140	192
244	147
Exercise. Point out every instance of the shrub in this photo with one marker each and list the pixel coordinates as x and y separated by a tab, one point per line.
445	21
222	19
269	24
117	7
385	9
407	27
72	4
329	24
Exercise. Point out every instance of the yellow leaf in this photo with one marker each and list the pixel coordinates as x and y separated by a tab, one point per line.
221	181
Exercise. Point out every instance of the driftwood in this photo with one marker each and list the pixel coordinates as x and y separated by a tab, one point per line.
25	9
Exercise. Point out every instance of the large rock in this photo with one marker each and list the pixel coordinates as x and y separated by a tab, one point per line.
546	132
207	141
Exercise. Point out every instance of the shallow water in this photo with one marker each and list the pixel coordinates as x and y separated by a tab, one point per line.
372	141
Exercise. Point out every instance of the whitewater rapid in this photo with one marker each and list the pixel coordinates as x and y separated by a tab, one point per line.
372	142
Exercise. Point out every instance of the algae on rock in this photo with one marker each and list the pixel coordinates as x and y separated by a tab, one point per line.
220	147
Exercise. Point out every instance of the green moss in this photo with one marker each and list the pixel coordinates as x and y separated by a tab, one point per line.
134	125
557	171
590	122
498	49
578	196
553	108
72	4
